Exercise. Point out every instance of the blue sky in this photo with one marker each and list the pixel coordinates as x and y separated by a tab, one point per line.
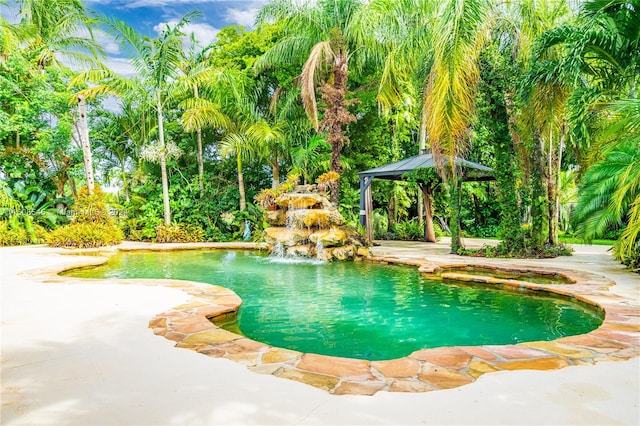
150	16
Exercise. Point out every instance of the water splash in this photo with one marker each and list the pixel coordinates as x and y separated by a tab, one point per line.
320	254
278	250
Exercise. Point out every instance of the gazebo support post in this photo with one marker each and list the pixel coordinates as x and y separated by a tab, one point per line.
429	230
366	206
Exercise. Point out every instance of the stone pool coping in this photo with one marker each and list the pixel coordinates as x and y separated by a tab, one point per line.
189	325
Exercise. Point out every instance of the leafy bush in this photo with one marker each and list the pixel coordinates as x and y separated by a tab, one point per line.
19	225
485	231
526	253
141	229
179	233
632	259
85	235
92	225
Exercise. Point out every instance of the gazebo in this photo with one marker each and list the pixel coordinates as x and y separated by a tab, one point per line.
395	171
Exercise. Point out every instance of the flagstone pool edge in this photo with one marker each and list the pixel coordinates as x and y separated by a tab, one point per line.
190	326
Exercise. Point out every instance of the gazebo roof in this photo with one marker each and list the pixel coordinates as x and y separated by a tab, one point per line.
395	171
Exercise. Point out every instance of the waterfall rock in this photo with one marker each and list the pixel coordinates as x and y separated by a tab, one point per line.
292	200
329	237
301	250
276	217
306	224
314	218
343	253
286	237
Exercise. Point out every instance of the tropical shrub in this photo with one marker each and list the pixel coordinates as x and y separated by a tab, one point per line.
179	233
92	225
14	232
85	235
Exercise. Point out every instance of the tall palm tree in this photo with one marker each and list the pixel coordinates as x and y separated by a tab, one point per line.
462	30
578	68
328	33
157	63
197	72
241	143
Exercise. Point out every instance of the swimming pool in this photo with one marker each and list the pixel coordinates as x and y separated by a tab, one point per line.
359	310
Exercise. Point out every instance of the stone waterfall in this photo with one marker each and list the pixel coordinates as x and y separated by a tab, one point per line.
304	223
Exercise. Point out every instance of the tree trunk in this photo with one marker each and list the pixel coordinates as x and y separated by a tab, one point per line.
552	195
165	188
391	212
430	232
456	240
555	201
275	167
83	134
422	148
368	206
336	116
200	162
243	201
200	151
125	184
163	167
72	185
539	223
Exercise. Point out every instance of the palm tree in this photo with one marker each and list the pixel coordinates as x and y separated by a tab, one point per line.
610	190
239	142
157	63
198	71
329	35
115	135
310	156
56	28
462	31
577	69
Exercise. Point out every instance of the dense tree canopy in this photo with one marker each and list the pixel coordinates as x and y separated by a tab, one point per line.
544	92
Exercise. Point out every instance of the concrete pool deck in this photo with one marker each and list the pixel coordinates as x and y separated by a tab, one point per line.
82	354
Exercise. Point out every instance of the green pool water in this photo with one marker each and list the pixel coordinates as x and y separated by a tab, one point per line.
358	310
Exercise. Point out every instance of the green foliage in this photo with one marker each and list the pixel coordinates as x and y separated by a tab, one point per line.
502	251
12	237
607	192
406	230
85	235
493	121
21	230
91	208
92	225
179	233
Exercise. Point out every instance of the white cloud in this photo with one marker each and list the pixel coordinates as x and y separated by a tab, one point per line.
133	4
245	17
120	66
204	33
107	42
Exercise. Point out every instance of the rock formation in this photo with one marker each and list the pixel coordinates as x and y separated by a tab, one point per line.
305	224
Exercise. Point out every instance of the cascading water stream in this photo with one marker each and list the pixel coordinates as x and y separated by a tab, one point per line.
306	225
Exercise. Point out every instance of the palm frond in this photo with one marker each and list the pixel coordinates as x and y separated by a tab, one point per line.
201	114
320	54
449	94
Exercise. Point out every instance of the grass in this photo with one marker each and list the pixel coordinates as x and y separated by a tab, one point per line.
573	240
